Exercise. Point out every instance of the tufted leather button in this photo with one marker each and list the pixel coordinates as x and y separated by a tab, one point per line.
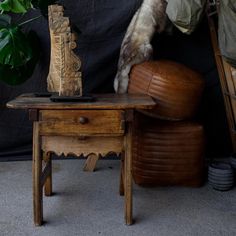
83	120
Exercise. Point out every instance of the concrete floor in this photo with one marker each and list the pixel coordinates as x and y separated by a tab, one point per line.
89	204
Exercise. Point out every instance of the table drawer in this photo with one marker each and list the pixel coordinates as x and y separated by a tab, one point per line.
81	122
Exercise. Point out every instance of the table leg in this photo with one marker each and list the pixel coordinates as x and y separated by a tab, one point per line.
91	162
128	175
37	171
121	190
48	183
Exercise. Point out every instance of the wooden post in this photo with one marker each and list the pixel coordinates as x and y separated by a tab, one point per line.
48	183
128	171
121	190
91	162
37	171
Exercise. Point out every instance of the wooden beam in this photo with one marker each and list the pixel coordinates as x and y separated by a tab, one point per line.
91	162
48	183
121	189
33	114
128	175
37	171
45	174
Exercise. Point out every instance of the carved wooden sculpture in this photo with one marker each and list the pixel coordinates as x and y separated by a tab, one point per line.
64	73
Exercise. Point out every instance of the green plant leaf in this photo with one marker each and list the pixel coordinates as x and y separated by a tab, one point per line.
5	20
15	6
18	75
15	49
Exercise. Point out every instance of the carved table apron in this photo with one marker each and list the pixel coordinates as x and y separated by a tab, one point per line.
96	127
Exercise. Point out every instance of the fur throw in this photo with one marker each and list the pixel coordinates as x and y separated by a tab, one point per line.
136	47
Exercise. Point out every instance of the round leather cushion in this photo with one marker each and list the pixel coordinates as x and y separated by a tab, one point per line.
168	152
176	89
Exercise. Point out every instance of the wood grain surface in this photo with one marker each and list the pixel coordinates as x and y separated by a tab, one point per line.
103	101
87	145
81	122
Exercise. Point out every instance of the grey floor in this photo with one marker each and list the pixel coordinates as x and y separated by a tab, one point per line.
89	204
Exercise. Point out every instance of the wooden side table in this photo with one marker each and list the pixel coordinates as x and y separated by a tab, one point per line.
97	128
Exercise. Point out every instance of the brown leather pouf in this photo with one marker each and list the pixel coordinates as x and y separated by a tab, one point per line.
168	153
176	89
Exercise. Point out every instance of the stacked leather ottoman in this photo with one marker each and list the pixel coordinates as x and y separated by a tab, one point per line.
168	146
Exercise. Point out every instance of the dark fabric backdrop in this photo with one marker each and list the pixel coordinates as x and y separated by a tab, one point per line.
101	25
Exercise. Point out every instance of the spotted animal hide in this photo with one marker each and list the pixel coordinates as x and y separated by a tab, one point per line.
136	47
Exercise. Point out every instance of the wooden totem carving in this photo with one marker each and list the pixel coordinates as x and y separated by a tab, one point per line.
64	73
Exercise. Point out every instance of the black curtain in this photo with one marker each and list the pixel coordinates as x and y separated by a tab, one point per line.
101	25
196	52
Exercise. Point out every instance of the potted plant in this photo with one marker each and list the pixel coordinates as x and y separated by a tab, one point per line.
19	51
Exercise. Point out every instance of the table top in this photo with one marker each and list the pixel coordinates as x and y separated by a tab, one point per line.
103	101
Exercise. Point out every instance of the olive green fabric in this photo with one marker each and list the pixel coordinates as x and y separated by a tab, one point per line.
227	30
185	14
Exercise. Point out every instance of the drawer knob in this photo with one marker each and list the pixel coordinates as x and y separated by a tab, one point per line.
83	120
